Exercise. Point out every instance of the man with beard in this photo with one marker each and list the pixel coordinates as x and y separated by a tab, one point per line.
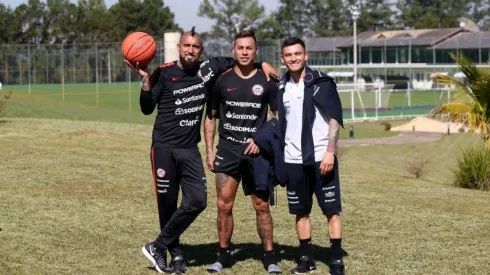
178	90
310	117
241	98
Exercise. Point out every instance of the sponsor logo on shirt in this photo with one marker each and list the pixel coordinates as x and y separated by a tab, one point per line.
230	89
205	79
188	123
257	89
189	99
243	104
241	116
230	127
330	194
181	111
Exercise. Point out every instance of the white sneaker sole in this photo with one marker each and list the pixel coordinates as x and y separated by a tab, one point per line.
152	260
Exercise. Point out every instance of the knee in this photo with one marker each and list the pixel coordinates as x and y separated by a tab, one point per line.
261	207
198	205
224	206
333	218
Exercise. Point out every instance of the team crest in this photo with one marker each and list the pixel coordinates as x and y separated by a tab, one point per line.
257	89
161	173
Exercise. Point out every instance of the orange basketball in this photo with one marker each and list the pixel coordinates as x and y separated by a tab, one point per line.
139	47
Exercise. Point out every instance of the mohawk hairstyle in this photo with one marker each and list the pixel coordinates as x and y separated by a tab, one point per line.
193	30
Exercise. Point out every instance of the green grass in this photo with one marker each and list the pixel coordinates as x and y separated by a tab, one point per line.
76	197
117	95
22	105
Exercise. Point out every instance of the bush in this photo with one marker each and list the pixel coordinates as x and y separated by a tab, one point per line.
386	125
473	170
417	168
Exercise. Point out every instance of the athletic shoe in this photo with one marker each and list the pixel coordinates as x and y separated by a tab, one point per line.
337	268
176	266
156	257
305	265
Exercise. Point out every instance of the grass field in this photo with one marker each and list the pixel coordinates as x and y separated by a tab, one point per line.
76	197
125	96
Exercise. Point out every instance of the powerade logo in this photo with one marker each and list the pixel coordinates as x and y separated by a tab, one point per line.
241	116
189	99
243	104
230	127
181	111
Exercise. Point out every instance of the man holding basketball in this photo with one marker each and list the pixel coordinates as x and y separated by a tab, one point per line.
178	90
241	98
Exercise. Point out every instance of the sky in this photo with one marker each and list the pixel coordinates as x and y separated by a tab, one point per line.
185	11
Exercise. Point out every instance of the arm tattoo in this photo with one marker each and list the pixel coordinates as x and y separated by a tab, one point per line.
209	131
333	135
145	84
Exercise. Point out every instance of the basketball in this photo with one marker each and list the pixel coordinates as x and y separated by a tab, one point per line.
139	47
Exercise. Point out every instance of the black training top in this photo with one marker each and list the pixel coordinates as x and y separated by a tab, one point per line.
242	106
180	100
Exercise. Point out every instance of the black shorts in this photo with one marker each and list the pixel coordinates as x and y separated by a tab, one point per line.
233	163
306	180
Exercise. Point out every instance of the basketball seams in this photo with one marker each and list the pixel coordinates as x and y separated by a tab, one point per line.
143	35
153	42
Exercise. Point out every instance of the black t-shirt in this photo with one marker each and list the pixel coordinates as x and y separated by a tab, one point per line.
242	106
180	100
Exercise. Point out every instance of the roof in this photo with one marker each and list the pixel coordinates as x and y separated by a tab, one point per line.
423	37
466	40
325	44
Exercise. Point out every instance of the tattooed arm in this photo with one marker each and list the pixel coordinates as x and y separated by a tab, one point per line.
333	135
209	133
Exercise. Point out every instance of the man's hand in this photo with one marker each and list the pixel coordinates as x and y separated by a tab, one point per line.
143	73
252	148
326	166
269	70
210	161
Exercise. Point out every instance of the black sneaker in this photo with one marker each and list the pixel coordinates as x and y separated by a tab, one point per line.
156	257
176	266
305	265
337	267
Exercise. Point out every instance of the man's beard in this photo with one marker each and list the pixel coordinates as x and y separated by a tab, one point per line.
189	67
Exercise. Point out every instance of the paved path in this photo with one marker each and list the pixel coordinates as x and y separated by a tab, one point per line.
403	138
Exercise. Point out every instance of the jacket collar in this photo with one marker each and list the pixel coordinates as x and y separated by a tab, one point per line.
311	77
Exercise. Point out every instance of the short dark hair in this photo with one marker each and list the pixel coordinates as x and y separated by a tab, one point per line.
247	32
292	41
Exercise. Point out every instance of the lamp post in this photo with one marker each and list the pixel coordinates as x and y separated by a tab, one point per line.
355	12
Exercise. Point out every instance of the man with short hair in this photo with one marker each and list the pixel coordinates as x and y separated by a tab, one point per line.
310	115
178	90
241	98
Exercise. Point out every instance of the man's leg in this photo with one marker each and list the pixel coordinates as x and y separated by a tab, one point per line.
193	184
264	221
327	191
166	187
300	192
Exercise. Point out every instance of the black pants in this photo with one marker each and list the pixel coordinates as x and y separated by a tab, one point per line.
175	168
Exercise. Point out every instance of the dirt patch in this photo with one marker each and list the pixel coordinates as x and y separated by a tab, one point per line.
424	124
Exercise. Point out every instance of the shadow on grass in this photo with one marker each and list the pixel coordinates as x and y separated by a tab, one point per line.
206	254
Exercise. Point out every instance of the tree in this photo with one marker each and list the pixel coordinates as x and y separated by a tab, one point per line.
376	15
422	14
328	18
6	19
248	13
28	23
470	103
95	23
479	12
293	16
61	21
